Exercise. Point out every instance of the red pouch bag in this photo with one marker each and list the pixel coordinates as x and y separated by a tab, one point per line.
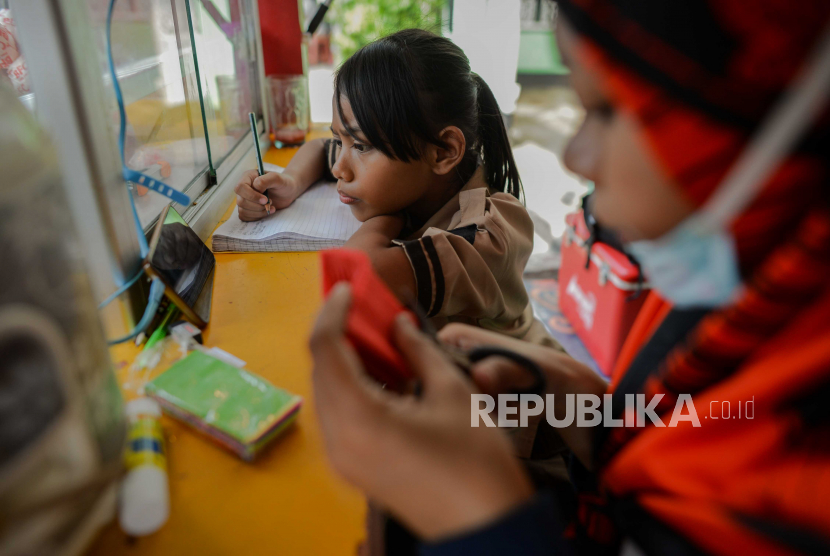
371	316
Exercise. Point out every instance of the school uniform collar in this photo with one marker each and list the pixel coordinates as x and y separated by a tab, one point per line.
443	216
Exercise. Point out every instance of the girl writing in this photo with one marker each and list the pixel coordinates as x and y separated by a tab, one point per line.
421	156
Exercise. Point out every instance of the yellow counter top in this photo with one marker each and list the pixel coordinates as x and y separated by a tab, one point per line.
288	502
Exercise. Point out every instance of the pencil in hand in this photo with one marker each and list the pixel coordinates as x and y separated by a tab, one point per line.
260	167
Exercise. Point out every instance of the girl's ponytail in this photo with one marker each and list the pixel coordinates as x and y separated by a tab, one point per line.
494	145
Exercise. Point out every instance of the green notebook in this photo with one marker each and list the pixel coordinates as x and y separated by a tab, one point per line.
237	409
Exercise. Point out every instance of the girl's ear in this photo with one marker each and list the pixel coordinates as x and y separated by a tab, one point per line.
444	159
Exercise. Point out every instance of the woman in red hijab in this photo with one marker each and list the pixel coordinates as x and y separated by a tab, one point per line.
706	135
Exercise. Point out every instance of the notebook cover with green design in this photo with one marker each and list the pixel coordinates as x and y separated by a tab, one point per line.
238	409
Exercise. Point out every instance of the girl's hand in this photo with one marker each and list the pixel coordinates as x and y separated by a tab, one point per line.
252	189
416	456
564	374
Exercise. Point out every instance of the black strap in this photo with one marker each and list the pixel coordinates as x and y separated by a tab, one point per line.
423	278
650	534
797	538
437	273
540	382
672	331
812	405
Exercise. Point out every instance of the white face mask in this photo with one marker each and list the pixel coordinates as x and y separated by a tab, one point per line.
690	268
695	264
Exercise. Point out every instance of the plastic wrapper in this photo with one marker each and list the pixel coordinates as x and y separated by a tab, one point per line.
10	58
19	75
8	43
7	22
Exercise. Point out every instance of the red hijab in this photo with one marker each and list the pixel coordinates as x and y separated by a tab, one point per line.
700	77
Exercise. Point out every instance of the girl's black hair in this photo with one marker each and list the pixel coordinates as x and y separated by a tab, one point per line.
406	87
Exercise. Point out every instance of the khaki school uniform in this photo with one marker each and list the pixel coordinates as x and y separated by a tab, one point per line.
468	260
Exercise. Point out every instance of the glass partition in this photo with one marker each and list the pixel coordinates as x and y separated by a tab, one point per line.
159	69
227	60
165	135
189	75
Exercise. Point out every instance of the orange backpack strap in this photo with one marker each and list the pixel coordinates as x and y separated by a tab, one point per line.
652	313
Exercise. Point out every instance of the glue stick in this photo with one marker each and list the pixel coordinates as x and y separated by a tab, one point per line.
145	499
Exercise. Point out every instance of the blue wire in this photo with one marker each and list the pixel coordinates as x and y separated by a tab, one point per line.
157	286
130	174
156	293
120	290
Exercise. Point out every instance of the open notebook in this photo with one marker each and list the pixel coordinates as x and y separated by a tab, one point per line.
316	220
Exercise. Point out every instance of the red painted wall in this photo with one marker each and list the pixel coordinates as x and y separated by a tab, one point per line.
281	36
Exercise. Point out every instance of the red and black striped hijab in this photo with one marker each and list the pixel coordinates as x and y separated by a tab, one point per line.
700	76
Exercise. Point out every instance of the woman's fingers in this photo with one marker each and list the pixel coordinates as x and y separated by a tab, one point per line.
418	456
336	365
421	353
338	396
331	321
338	371
492	375
466	337
351	407
496	375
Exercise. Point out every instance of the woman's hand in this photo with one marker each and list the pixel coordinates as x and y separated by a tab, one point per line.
416	456
564	375
252	189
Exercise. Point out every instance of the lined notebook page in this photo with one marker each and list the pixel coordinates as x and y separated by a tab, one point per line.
316	220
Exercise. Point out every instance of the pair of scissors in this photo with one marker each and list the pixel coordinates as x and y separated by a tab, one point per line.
466	359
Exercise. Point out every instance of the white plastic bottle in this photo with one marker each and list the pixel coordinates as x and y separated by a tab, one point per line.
145	497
